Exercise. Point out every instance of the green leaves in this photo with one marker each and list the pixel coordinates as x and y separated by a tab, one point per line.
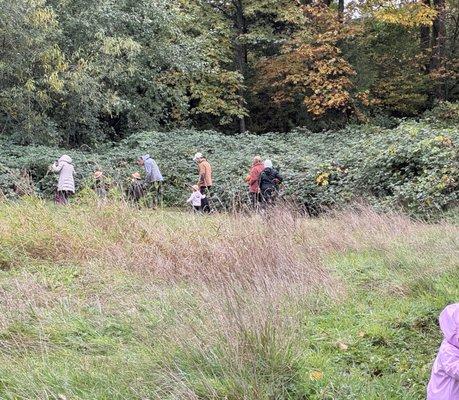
413	167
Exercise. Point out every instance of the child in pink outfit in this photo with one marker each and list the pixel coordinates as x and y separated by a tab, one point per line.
444	381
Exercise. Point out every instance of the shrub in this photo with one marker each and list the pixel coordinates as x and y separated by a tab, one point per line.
413	167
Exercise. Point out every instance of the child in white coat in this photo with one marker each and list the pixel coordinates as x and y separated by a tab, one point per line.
196	198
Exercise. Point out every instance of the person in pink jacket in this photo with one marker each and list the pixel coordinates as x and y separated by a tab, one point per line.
444	380
253	180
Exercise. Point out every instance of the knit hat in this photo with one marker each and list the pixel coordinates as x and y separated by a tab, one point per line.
197	156
195	188
268	164
98	174
136	175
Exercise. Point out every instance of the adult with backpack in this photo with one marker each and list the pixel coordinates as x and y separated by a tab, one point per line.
270	179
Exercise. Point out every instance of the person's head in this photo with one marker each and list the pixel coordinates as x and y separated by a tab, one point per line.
198	157
140	161
136	176
65	158
256	160
268	164
98	174
449	324
195	188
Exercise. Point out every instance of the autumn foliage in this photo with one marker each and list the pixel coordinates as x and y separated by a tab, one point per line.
311	66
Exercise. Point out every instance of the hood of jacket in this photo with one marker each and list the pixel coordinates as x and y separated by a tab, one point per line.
449	324
270	172
145	157
65	158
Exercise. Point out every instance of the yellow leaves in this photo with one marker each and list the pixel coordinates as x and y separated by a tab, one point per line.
323	179
42	18
447	181
30	85
53	60
316	375
117	46
409	15
81	65
55	83
444	140
43	97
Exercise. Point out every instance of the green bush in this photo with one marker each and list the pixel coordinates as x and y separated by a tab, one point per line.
413	167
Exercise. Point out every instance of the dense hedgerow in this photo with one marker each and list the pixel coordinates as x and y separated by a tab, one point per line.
413	166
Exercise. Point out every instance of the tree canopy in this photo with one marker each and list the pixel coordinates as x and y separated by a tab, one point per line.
85	71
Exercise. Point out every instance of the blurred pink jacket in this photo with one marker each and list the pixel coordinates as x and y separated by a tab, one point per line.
444	381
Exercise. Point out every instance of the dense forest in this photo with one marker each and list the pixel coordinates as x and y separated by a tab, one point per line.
83	72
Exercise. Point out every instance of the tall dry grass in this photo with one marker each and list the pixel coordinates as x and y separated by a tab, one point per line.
240	285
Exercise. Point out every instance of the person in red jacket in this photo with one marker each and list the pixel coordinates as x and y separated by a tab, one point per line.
253	180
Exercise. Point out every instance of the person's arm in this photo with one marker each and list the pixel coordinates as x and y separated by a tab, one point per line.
202	174
450	364
278	177
191	198
148	169
56	167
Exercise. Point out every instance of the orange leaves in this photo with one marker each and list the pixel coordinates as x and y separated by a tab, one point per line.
311	66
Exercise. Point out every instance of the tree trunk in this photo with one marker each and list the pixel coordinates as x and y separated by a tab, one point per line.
341	9
438	44
424	33
241	52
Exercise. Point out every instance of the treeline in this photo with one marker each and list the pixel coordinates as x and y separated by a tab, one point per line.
89	71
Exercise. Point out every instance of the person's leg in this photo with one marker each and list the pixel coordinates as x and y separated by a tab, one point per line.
159	193
150	195
205	206
267	197
258	201
65	196
58	197
255	200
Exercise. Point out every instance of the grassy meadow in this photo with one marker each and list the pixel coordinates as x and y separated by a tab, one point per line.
108	302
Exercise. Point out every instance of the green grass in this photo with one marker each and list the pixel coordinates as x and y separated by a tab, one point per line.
86	312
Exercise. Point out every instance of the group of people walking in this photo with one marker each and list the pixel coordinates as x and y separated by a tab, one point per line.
263	182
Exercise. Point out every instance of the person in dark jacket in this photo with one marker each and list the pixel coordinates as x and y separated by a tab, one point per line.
100	185
136	189
269	183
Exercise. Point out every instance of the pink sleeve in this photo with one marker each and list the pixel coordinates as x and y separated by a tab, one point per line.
450	364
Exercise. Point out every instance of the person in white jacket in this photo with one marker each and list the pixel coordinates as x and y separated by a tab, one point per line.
66	183
196	198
